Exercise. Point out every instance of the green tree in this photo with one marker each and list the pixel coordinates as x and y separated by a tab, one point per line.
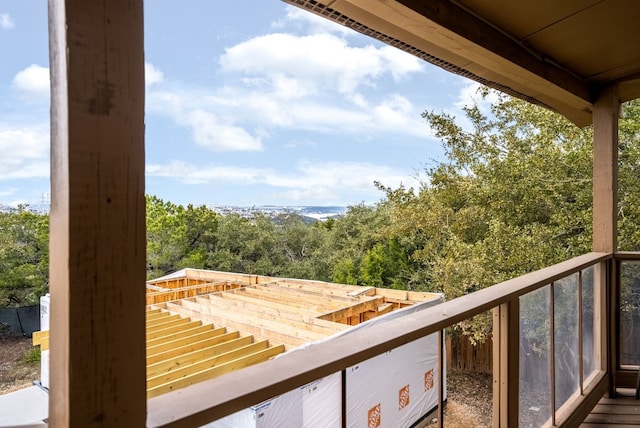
24	257
178	237
513	195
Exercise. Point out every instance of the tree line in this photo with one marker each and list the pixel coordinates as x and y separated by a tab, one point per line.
513	194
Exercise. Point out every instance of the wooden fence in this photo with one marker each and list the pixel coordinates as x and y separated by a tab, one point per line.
464	356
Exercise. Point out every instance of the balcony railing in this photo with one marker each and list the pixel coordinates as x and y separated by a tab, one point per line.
550	352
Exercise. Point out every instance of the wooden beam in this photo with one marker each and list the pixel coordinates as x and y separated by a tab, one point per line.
153	312
354	310
464	24
256	301
172	320
97	221
188	344
288	295
266	312
249	306
179	335
260	331
286	299
329	294
288	326
217	370
506	357
190	358
41	338
605	170
207	363
184	325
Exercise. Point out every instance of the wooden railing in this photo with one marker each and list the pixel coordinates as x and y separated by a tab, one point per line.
210	400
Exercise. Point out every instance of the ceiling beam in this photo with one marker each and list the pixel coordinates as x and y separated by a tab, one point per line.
463	23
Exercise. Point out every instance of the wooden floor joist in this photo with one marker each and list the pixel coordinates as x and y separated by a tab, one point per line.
203	336
171	321
161	319
179	334
287	317
306	295
210	373
189	344
181	352
191	358
291	339
253	300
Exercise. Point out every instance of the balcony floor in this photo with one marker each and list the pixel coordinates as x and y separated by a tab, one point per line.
620	412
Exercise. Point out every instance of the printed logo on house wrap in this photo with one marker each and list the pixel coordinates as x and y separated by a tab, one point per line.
374	417
403	397
428	380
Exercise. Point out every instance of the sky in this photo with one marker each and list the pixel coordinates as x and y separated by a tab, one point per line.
248	103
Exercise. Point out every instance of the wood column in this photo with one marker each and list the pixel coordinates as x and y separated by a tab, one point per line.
506	364
606	110
97	238
605	171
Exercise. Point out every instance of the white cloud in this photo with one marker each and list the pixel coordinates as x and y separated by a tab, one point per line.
322	181
152	74
33	80
25	152
244	109
297	17
469	96
8	192
324	59
6	21
204	114
210	133
316	83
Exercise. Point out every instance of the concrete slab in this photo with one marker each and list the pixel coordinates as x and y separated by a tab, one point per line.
26	407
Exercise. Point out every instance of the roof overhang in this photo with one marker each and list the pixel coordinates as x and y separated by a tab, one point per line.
558	55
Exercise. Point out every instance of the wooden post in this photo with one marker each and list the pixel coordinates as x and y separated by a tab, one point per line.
506	364
605	171
605	207
97	239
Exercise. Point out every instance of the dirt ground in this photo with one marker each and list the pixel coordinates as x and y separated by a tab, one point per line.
15	371
469	402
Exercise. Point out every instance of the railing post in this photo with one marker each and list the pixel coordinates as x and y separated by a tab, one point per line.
606	304
506	364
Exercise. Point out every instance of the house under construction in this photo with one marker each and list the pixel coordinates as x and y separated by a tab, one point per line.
201	324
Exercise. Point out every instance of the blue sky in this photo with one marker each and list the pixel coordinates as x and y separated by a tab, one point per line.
275	106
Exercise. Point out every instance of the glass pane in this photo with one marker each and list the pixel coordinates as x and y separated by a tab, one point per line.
567	352
630	313
589	353
535	367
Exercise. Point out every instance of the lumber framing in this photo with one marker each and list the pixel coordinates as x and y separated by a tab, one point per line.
216	371
188	344
182	333
268	313
245	320
261	328
186	359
